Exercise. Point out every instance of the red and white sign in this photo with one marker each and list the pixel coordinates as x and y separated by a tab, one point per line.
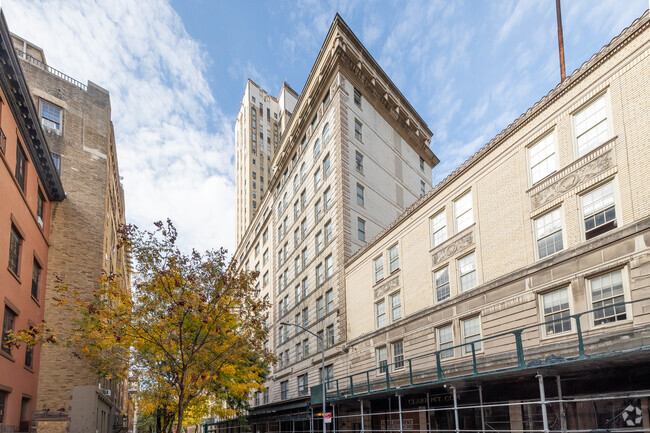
327	417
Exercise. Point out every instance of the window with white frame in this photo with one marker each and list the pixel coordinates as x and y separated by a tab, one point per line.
380	313
541	157
591	126
318	210
320	308
548	232
329	300
326	134
607	297
395	306
303	384
361	229
359	162
297	265
357	130
378	265
305	348
441	280
357	97
360	194
556	311
393	259
446	341
303	255
305	317
599	210
328	266
382	359
265	256
319	274
467	272
471	333
398	355
303	199
328	232
51	116
439	228
329	336
422	187
298	352
318	179
319	242
326	166
463	209
303	172
305	288
316	149
327	198
296	183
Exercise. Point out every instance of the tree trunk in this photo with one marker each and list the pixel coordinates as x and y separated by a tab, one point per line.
181	409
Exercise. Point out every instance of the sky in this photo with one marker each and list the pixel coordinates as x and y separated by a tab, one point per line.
176	73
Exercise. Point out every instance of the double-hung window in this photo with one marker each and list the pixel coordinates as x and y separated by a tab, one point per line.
438	228
328	266
36	279
380	313
357	97
15	248
326	166
599	210
393	259
328	232
382	359
360	194
467	272
591	126
318	179
441	279
556	313
361	229
398	355
303	384
548	232
464	215
329	299
51	116
320	308
471	333
284	390
446	341
357	130
7	327
378	265
319	242
395	306
607	297
319	274
542	158
359	162
318	210
21	165
316	149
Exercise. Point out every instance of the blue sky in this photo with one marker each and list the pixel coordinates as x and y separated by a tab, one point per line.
176	72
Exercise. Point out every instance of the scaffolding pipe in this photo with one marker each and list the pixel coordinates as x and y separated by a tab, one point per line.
453	388
428	423
542	397
480	396
559	396
311	422
363	427
399	402
333	419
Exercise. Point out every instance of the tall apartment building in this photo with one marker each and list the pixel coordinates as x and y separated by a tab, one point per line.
513	296
29	188
352	157
260	123
83	238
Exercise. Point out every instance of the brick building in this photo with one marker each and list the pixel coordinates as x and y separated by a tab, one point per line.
77	121
29	188
492	301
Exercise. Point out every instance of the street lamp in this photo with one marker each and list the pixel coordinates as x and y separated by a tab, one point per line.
322	369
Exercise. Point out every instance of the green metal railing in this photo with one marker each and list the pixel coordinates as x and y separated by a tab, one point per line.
431	368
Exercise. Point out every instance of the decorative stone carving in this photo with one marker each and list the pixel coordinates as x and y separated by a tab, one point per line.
386	286
572	180
457	246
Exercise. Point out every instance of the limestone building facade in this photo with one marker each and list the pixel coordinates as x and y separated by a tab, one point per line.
491	300
76	118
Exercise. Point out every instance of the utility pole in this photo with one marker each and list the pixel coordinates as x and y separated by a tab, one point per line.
560	40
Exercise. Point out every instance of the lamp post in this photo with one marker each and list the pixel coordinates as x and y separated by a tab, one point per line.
322	369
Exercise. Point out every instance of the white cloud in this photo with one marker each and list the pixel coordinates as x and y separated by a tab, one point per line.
175	146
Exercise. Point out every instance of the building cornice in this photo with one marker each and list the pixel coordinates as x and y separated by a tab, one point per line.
24	112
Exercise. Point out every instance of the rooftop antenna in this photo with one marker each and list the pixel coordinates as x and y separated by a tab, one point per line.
560	39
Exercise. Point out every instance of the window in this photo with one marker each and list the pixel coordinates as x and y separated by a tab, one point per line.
29	353
305	288
326	166
378	265
7	327
316	149
257	399
298	350
265	256
599	210
395	306
467	272
303	228
296	210
318	179
357	97
265	281
393	259
607	291
305	317
446	341
321	339
21	163
382	359
51	117
281	308
296	264
548	231
328	232
265	235
327	198
304	258
326	134
329	300
357	130
360	193
471	333
439	228
56	158
443	291
284	390
303	172
318	210
15	247
329	336
39	207
296	238
591	126
36	279
303	384
421	164
464	216
319	274
398	355
319	242
359	162
305	348
3	404
328	266
303	199
320	308
422	187
361	229
265	396
542	158
556	311
329	376
380	313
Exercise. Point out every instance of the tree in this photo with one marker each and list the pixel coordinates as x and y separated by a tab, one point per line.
192	326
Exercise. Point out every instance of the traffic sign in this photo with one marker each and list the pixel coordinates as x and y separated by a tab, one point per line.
327	417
